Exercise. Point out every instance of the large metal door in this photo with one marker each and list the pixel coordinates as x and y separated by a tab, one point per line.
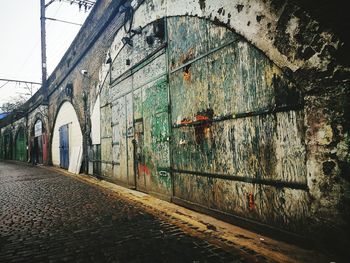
64	146
122	140
237	127
140	168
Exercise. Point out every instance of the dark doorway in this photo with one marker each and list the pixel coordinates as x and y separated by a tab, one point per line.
38	150
64	146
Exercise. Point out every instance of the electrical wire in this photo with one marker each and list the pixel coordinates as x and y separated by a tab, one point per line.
31	53
4	84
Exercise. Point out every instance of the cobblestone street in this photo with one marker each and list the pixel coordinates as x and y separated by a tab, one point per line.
49	217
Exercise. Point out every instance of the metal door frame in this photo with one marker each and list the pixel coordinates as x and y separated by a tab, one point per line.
64	142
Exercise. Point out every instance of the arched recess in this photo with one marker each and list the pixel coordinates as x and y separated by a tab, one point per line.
38	140
67	138
236	123
21	144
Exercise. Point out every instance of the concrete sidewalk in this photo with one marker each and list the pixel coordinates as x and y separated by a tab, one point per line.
214	231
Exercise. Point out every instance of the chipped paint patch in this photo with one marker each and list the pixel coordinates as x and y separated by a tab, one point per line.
324	135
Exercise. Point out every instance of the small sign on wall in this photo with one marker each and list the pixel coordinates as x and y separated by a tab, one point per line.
38	128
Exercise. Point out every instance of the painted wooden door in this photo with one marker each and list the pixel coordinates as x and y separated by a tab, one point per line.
21	147
122	140
64	146
152	138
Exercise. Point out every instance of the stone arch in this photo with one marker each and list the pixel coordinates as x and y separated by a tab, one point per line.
38	139
66	115
227	99
262	23
37	116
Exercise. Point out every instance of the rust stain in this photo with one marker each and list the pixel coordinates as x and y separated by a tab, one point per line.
202	118
187	73
251	203
143	169
187	56
185	121
202	132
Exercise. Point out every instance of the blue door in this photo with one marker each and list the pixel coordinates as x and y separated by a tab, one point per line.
64	146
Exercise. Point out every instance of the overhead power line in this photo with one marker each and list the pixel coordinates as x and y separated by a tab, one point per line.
87	4
64	21
3	85
20	81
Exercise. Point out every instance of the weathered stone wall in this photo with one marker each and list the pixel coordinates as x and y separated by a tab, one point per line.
87	53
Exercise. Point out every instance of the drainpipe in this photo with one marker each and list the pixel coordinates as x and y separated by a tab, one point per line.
86	133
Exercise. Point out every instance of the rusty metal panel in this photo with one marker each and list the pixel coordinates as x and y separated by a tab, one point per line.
106	170
106	149
137	104
119	127
220	35
192	149
104	93
106	119
193	188
129	115
106	132
143	45
120	89
154	69
189	92
106	141
240	80
266	147
188	39
120	65
230	196
290	147
283	207
130	138
155	152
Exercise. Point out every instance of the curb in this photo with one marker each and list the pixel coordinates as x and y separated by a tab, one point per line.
245	243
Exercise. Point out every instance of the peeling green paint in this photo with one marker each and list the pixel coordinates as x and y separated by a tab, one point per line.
210	141
236	128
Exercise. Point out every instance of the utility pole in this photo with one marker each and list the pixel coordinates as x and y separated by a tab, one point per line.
43	45
87	4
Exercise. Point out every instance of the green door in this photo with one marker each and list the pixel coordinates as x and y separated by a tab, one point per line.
21	146
152	138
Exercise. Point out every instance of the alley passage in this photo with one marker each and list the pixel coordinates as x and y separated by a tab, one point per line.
49	217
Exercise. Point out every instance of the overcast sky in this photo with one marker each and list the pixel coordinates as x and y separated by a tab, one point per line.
20	55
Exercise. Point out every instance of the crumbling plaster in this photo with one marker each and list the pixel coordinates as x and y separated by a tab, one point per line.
279	30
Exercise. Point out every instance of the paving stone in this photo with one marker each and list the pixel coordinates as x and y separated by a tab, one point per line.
48	217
